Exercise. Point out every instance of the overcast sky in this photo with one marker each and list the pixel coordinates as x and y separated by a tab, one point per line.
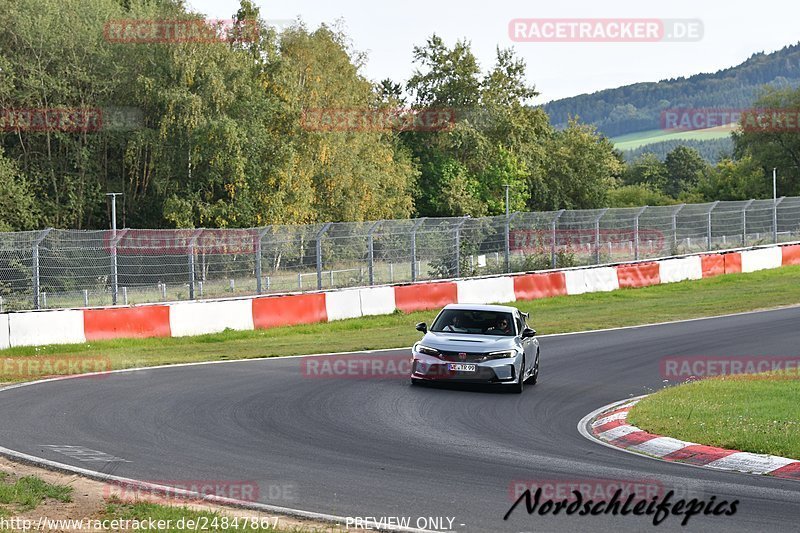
387	31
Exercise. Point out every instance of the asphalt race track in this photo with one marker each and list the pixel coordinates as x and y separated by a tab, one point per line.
380	447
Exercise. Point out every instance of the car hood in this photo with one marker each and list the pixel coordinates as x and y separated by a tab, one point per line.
455	342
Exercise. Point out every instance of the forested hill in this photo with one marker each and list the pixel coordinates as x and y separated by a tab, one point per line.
638	107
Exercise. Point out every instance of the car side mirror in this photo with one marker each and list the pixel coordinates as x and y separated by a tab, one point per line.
423	327
528	333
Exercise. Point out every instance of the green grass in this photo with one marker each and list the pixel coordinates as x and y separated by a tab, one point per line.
626	307
203	520
26	493
631	141
753	413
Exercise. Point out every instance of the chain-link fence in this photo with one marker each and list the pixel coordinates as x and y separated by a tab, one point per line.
68	268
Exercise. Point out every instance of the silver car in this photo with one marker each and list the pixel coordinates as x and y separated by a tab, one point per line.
477	344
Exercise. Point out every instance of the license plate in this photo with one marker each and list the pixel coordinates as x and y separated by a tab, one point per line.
460	367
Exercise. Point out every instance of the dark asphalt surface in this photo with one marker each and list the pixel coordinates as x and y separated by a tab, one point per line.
380	447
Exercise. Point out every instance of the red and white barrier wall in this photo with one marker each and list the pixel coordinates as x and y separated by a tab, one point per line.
179	319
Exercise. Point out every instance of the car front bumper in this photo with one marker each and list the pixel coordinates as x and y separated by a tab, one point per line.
432	369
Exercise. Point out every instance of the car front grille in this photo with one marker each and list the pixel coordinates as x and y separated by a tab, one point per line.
470	357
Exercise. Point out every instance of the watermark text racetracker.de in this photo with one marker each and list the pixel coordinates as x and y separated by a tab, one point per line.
152	31
27	368
587	30
681	368
228	241
356	366
189	523
377	120
70	119
542	240
731	119
182	491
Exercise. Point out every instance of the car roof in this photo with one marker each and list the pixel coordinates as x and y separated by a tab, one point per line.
483	307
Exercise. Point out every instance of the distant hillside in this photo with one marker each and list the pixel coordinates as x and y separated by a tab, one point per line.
635	108
712	150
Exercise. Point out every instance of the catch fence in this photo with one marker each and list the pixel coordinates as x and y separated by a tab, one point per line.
54	268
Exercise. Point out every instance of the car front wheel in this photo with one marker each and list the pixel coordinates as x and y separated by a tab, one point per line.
535	375
520	384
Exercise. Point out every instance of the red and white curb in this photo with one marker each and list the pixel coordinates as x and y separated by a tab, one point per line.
609	425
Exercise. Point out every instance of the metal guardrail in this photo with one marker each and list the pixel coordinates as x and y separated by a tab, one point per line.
71	268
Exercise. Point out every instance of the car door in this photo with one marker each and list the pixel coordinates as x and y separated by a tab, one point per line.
527	344
534	342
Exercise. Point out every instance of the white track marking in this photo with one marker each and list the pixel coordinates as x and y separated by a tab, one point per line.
751	462
660	446
744	462
617	432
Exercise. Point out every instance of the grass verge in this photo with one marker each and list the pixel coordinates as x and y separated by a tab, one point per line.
26	493
755	413
724	294
171	519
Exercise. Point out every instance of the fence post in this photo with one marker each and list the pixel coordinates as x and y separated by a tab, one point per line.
416	225
636	233
775	219
708	241
318	239
259	281
675	225
35	270
114	266
744	221
553	242
192	245
371	250
509	219
116	236
458	245
597	236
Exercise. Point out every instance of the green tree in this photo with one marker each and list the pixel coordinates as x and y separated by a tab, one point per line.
637	196
53	55
496	139
685	168
777	143
357	174
18	209
646	170
580	169
446	77
740	179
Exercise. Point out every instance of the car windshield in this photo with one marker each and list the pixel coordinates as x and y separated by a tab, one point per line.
474	322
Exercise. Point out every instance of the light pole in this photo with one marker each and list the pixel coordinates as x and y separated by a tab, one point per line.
113	196
115	277
775	205
507	232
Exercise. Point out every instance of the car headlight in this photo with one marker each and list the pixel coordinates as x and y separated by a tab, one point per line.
421	348
502	355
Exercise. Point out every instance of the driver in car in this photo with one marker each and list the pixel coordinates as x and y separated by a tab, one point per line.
455	325
502	327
